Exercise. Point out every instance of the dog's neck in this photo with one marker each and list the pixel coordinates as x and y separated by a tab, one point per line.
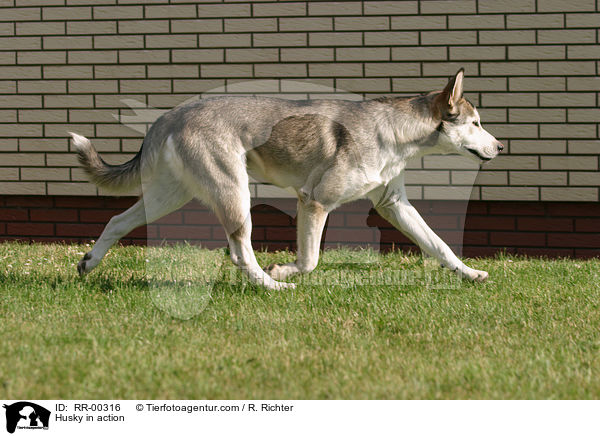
410	128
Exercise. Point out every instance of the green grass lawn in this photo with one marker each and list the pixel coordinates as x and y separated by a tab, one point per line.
143	325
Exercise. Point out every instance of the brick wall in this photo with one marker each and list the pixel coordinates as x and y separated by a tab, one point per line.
532	69
475	228
82	65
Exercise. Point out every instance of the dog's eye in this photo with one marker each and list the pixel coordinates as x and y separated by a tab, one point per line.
476	123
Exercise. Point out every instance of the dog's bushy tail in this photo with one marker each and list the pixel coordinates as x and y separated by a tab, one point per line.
112	177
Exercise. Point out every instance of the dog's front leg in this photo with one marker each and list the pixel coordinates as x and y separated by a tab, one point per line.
401	214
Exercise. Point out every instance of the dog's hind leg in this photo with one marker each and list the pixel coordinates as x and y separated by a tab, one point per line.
159	198
311	220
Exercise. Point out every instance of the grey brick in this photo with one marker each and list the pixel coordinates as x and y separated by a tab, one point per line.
171	41
224	10
252	55
226	70
195	86
518	131
586	146
40	28
68	72
42	86
448	7
251	25
429	22
91	27
119	71
568	163
486	83
537	146
450	37
144	56
516	115
476	21
21	43
306	23
569	194
41	57
307	54
536	52
67	42
392	69
119	41
364	85
507	162
155	85
390	7
7	29
279	9
583	51
486	6
21	14
508	99
583	84
583	20
335	8
67	13
567	99
210	25
533	21
172	11
335	70
12	72
538	178
584	115
362	54
198	55
42	116
362	23
279	39
335	38
568	131
391	38
221	40
516	68
484	52
173	70
415	85
537	84
562	6
507	37
144	26
20	101
118	12
280	70
418	53
570	36
567	68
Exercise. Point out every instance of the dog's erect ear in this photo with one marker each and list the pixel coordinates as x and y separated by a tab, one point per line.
453	91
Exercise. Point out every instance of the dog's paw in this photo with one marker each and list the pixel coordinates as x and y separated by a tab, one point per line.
281	272
477	276
84	266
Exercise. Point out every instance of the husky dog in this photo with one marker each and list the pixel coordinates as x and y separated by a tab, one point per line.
328	151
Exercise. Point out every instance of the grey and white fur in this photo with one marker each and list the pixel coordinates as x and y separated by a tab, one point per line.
328	151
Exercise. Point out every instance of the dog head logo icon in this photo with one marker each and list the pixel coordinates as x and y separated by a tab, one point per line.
26	415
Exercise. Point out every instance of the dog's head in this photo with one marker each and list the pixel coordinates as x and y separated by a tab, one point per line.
459	125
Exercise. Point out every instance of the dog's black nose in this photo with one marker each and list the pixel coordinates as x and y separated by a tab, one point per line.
500	147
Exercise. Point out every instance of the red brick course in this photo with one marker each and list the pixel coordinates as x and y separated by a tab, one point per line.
532	228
